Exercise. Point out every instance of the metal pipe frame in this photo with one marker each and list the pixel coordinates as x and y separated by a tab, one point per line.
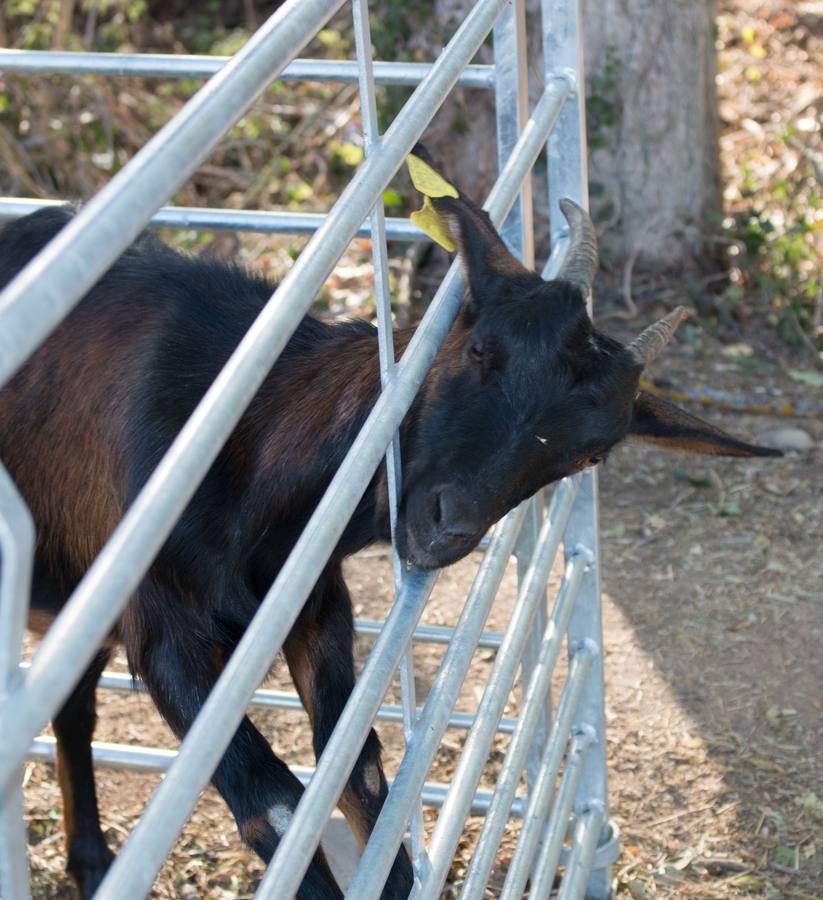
568	168
549	853
35	302
473	759
591	823
157	760
169	65
534	699
16	554
540	794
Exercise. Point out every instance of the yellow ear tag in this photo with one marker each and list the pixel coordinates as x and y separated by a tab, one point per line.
427	181
429	221
431	184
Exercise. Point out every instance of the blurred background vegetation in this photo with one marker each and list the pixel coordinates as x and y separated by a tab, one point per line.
64	137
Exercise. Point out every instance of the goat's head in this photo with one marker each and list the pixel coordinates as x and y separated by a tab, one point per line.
525	390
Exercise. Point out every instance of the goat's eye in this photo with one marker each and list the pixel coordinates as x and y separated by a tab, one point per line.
476	351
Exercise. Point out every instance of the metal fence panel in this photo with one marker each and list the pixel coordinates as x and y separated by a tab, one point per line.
35	302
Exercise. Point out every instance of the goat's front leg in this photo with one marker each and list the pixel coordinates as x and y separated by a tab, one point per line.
319	652
87	854
170	647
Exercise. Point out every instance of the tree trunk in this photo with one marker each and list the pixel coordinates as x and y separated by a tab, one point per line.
653	160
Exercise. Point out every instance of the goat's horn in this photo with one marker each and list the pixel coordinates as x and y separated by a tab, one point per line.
647	346
580	264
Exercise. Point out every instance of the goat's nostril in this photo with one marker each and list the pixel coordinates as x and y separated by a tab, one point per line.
438	508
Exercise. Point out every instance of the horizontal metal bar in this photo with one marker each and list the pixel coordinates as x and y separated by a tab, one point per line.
533	706
388	832
270	699
430	634
541	791
151	760
475	753
208	219
104	590
168	65
587	833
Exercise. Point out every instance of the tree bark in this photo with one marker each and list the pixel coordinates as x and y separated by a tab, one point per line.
653	161
653	156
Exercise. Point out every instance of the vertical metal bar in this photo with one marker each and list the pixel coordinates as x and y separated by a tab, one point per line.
16	553
385	340
511	111
511	94
563	53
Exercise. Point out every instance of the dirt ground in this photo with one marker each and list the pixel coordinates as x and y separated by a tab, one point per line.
713	615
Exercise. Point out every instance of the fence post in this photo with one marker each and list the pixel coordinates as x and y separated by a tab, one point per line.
563	53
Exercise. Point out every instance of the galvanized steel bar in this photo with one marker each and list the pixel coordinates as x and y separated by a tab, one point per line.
470	766
16	554
540	793
430	634
591	823
297	846
157	760
548	856
169	65
379	854
271	699
14	873
530	714
567	162
511	93
385	342
51	284
511	112
207	219
92	611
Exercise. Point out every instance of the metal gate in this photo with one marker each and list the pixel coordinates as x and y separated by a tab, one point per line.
564	822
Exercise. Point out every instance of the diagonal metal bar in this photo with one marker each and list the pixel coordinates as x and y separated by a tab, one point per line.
522	739
541	793
52	283
473	759
377	858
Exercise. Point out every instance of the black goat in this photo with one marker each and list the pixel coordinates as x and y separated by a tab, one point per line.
524	391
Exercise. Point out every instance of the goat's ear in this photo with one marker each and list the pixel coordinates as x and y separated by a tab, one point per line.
455	222
656	421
